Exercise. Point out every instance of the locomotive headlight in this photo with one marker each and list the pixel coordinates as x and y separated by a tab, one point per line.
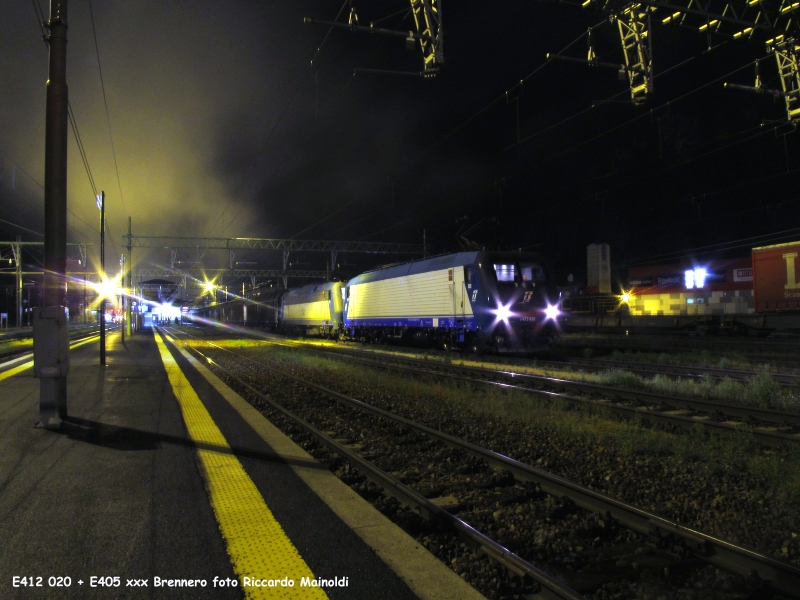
503	313
551	312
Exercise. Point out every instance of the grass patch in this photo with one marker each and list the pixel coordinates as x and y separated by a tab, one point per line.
697	358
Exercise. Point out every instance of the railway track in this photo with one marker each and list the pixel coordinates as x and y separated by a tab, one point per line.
26	351
769	427
777	351
686	545
653	369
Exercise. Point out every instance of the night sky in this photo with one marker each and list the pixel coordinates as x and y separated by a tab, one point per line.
221	128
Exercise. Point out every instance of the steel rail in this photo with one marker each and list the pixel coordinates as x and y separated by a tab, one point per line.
764	436
77	335
551	588
786	379
782	575
698	404
660	343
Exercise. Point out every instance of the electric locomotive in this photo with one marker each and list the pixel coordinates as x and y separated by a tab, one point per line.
474	300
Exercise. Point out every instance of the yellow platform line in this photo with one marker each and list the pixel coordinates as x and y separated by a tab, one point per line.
29	364
258	547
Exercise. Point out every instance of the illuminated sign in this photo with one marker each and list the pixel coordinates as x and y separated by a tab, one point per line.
643	281
668	279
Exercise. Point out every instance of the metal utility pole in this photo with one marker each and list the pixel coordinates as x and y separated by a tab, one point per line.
130	283
122	293
101	204
17	250
50	334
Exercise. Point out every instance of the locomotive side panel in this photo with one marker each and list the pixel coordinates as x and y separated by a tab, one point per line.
306	309
421	299
313	306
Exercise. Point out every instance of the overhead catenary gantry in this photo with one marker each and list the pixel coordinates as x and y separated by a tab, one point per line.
285	246
428	24
16	251
777	22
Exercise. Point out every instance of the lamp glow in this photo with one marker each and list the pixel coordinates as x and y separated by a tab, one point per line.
107	288
551	312
503	313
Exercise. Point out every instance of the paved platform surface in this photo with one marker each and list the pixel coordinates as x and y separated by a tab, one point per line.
161	471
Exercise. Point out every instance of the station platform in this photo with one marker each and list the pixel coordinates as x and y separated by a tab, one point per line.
164	483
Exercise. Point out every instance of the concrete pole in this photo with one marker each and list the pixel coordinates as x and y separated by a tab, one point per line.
55	160
53	378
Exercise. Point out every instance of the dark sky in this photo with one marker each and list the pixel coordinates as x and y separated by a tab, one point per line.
220	129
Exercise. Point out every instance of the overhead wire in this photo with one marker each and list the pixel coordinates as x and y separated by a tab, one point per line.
626	123
325	39
556	125
760	131
407	11
419	155
81	149
521	82
551	156
37	9
76	134
275	126
501	97
591	108
721	246
39	17
34	180
18	226
105	103
707	194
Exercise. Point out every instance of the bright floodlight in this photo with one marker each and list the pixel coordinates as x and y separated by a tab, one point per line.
700	277
626	297
695	278
107	288
209	286
503	312
551	312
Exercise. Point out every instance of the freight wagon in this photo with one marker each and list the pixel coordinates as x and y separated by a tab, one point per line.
759	295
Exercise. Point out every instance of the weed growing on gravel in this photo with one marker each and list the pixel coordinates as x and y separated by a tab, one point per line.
693	358
783	474
763	390
620	378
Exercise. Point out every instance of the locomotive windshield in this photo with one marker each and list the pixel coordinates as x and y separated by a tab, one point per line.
532	272
522	272
505	273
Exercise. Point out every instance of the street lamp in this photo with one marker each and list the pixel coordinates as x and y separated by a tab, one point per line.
102	206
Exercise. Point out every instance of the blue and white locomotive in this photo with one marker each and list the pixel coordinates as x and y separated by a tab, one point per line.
476	300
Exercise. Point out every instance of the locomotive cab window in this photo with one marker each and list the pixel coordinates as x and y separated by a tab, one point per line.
506	273
531	272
